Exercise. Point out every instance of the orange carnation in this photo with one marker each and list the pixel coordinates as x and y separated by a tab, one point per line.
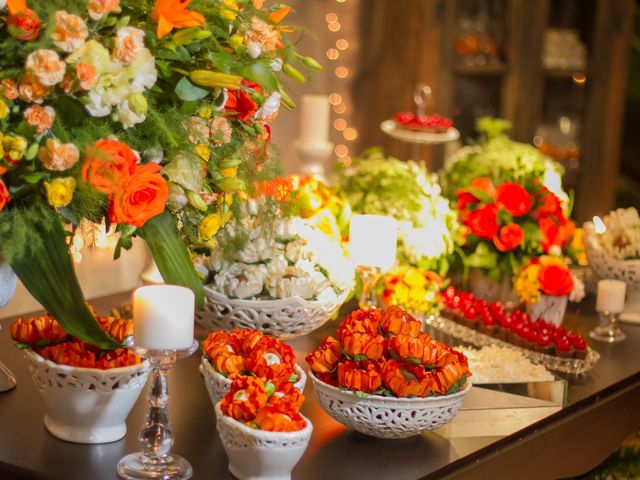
396	321
31	90
364	346
325	358
359	376
108	163
245	398
36	329
40	117
141	197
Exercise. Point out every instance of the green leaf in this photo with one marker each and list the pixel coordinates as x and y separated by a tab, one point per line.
270	388
261	74
361	357
293	378
360	394
221	60
47	272
171	254
187	91
35	178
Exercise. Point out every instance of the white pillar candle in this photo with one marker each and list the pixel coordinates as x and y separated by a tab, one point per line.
314	120
163	317
372	240
611	296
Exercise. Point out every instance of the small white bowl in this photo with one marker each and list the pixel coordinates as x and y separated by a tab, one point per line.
258	454
218	385
284	318
86	405
388	417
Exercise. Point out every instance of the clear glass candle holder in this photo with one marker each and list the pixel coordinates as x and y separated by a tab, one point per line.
608	330
369	276
156	461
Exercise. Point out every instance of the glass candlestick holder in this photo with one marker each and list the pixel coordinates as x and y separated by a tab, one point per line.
156	461
608	330
369	276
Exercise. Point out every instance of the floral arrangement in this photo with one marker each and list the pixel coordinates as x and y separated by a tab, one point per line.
266	254
512	325
147	115
375	184
413	289
385	353
252	401
621	235
508	223
251	353
547	275
45	336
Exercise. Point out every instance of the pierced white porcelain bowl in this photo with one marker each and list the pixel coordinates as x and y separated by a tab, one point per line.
605	266
258	454
284	318
388	417
218	385
86	405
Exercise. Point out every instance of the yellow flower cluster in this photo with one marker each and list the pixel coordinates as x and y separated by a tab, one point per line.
414	289
12	147
60	191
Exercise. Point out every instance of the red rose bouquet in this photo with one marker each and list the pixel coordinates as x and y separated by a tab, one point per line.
509	223
386	353
547	275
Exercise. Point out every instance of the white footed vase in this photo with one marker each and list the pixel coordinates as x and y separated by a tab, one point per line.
86	405
258	454
550	308
218	385
484	287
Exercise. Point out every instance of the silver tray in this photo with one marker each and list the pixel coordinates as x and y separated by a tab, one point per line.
551	362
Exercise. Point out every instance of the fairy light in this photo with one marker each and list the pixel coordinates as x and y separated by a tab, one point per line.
341	150
340	109
340	124
335	99
350	134
342	72
331	17
333	54
342	44
334	26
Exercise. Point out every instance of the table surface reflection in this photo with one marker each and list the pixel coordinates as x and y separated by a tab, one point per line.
28	451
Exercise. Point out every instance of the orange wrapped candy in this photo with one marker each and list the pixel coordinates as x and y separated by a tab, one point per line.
118	328
364	346
245	398
118	358
273	420
396	321
325	358
37	329
360	321
74	354
407	348
273	360
406	379
360	376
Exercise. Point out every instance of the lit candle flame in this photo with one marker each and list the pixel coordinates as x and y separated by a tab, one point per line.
599	225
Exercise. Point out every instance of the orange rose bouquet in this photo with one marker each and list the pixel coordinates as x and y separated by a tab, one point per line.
251	353
547	275
252	401
46	337
386	353
151	117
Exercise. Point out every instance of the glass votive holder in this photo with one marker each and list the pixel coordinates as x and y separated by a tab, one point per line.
608	330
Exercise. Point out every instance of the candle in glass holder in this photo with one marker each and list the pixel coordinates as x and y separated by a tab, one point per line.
372	240
611	296
163	317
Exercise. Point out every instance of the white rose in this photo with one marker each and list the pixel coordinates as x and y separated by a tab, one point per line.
254	49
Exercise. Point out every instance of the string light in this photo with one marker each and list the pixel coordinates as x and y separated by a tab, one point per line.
334	26
335	99
331	17
342	44
341	150
333	54
340	124
340	109
342	72
350	134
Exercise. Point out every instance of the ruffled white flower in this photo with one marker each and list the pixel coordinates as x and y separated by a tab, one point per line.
254	49
128	117
269	108
276	64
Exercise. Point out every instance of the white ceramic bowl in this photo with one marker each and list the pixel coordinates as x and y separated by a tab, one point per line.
387	417
605	266
258	454
218	385
86	405
284	318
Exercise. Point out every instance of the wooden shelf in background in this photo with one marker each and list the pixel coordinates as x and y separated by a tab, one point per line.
564	72
492	69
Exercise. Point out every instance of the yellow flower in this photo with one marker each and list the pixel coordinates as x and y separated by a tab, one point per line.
202	149
229	172
414	278
4	110
236	41
60	191
229	9
15	147
209	226
205	112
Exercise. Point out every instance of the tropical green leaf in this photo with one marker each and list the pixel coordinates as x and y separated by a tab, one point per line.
187	91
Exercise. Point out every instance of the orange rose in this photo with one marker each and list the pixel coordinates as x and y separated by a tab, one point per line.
58	156
271	420
406	379
41	118
24	25
219	341
396	321
228	363
70	31
555	280
245	398
326	357
272	360
4	195
359	376
37	329
108	164
407	348
141	197
361	321
9	89
364	346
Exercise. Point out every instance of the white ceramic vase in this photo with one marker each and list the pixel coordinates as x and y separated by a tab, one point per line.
86	405
258	454
8	281
484	287
549	308
218	385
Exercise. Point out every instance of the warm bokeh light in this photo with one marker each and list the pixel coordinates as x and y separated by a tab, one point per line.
350	134
340	124
342	44
342	72
340	109
331	17
335	99
341	150
334	26
333	54
579	78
